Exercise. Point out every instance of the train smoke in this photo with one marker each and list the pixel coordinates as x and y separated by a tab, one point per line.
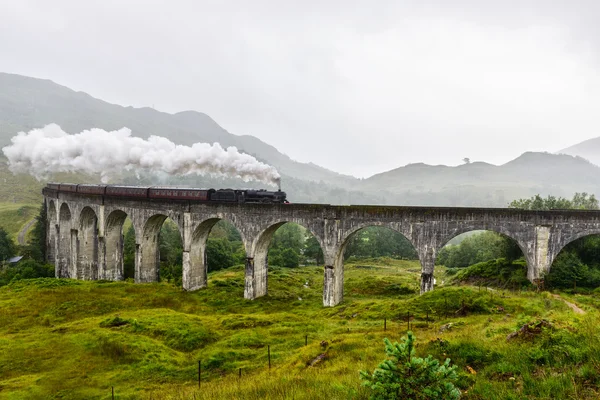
48	150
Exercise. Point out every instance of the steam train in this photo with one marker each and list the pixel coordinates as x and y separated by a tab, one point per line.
170	193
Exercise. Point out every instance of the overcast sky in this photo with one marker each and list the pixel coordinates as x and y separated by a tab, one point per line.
357	87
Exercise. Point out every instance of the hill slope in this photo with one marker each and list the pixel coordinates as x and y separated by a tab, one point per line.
78	339
27	103
483	184
589	149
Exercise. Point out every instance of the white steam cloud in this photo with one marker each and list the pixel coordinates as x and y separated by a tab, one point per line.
96	151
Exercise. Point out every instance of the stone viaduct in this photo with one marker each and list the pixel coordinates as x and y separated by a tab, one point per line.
85	235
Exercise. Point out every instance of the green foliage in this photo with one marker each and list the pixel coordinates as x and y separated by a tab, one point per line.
219	254
129	253
581	201
478	248
36	248
170	244
499	272
7	246
405	376
569	271
375	241
26	269
313	250
289	258
288	246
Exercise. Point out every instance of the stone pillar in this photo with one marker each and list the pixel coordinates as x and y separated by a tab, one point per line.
72	254
148	258
333	285
195	269
539	258
427	259
249	291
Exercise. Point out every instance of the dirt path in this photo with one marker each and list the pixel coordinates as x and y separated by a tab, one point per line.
23	232
573	306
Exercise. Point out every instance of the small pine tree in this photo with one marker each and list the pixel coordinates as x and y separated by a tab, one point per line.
405	376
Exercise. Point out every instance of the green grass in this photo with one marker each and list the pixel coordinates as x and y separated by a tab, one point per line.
75	340
13	217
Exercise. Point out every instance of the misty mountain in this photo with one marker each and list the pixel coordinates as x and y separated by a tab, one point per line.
589	149
482	184
27	103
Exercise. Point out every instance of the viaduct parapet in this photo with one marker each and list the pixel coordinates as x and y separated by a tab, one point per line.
85	235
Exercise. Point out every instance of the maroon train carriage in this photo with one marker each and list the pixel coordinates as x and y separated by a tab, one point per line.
180	193
127	191
53	186
91	189
68	187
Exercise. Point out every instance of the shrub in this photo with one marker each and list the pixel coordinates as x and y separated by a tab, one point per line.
405	376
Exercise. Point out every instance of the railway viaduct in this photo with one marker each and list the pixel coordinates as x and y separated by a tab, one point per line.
85	235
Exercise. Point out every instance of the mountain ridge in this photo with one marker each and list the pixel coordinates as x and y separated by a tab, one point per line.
39	102
27	103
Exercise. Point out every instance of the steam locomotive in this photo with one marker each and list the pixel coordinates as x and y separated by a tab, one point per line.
170	193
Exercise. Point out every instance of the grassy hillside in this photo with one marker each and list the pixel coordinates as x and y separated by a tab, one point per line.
14	217
75	340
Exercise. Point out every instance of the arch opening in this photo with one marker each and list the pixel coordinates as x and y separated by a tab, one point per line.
375	261
159	251
119	247
87	245
577	265
483	257
216	244
286	245
64	265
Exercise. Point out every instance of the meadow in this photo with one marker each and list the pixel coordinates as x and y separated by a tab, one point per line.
66	339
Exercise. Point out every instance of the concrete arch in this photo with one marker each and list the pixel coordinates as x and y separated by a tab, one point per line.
333	291
113	246
257	264
65	267
527	247
465	229
195	267
147	252
87	245
562	243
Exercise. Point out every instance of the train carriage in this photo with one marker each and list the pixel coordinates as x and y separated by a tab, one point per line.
68	187
127	191
91	189
180	193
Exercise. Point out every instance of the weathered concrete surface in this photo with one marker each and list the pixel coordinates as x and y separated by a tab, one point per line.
79	252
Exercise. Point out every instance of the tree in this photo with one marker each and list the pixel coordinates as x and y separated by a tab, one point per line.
129	253
404	376
36	249
171	248
467	160
27	269
375	241
581	201
219	254
290	238
7	246
289	258
313	250
478	248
